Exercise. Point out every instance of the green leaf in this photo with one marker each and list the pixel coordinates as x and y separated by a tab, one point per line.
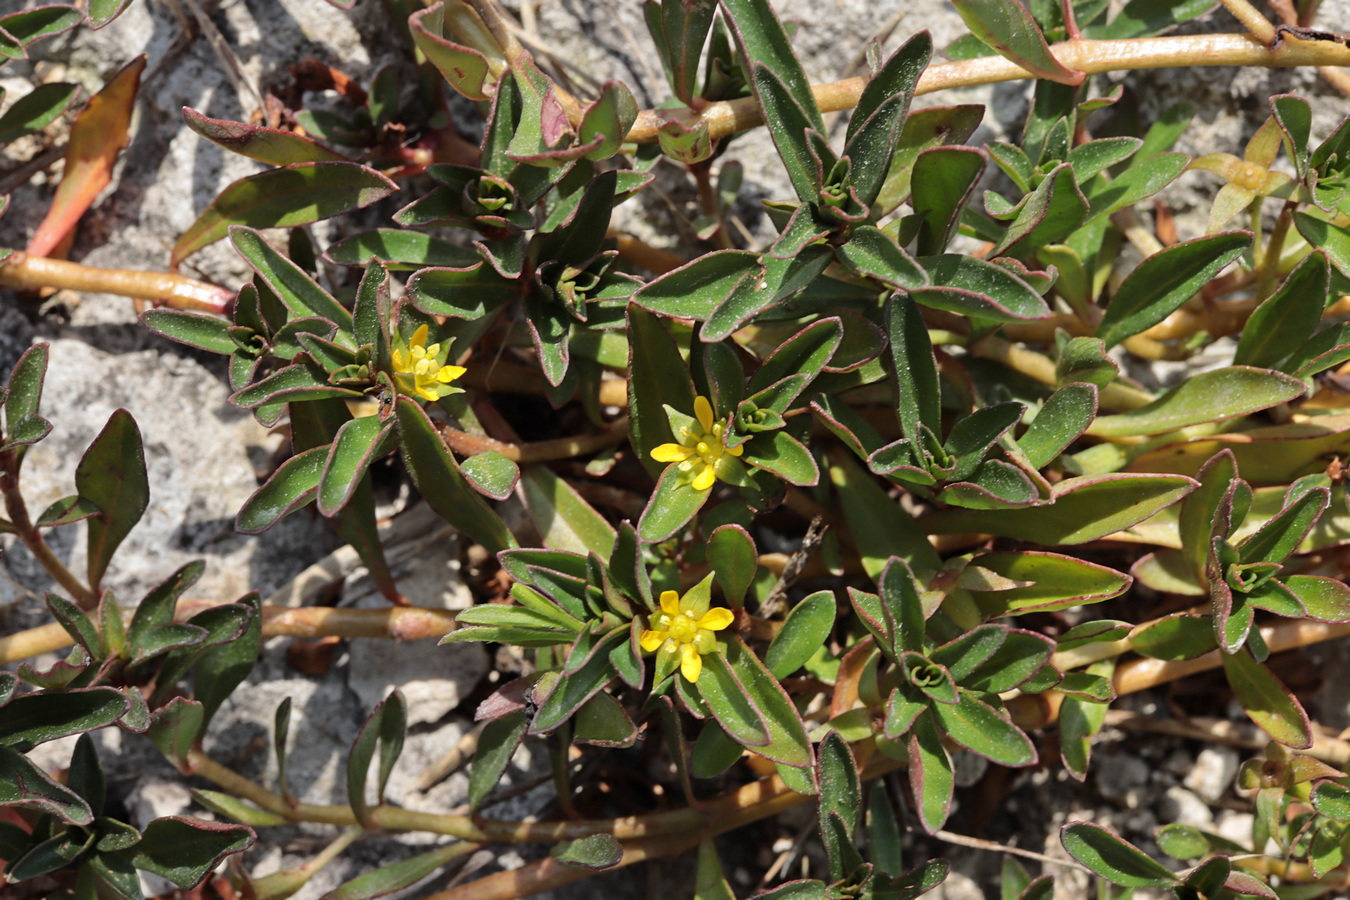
224	666
803	634
437	476
301	294
112	476
1048	581
1006	26
386	726
76	622
840	785
1266	700
1329	347
1206	397
282	198
876	126
1174	637
359	443
101	12
731	554
469	71
788	743
1294	116
930	774
32	719
397	876
729	701
1148	173
24	785
1281	325
1081	509
595	851
673	504
1167	279
496	745
875	254
184	850
175	728
1114	859
1048	215
158	606
788	122
1064	416
709	882
1145	18
1182	841
880	528
23	28
918	390
943	181
564	519
974	287
36	110
291	486
1323	599
269	145
204	332
1282	534
399	248
698	287
56	852
924	129
1095	157
785	456
492	474
1084	359
657	377
590	670
761	39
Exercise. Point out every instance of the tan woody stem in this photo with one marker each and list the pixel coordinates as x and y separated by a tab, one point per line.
23	272
1093	57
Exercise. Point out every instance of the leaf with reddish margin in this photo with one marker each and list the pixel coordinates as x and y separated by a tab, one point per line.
1006	26
96	139
280	198
269	145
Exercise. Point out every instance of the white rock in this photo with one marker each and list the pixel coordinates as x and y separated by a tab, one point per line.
1181	806
1214	770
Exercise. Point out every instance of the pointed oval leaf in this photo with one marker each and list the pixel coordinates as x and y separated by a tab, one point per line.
1206	397
282	198
185	850
1114	859
804	632
1166	280
112	476
292	485
1006	26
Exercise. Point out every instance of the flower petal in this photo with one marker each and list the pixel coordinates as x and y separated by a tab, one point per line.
735	451
670	603
703	412
672	453
704	479
717	618
651	640
448	374
691	664
419	338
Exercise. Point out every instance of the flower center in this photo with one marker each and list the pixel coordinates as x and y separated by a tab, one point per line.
683	628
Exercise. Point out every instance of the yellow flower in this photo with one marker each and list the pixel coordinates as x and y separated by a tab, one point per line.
421	371
683	631
702	452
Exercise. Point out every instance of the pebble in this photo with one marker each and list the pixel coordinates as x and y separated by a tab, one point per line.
1213	772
